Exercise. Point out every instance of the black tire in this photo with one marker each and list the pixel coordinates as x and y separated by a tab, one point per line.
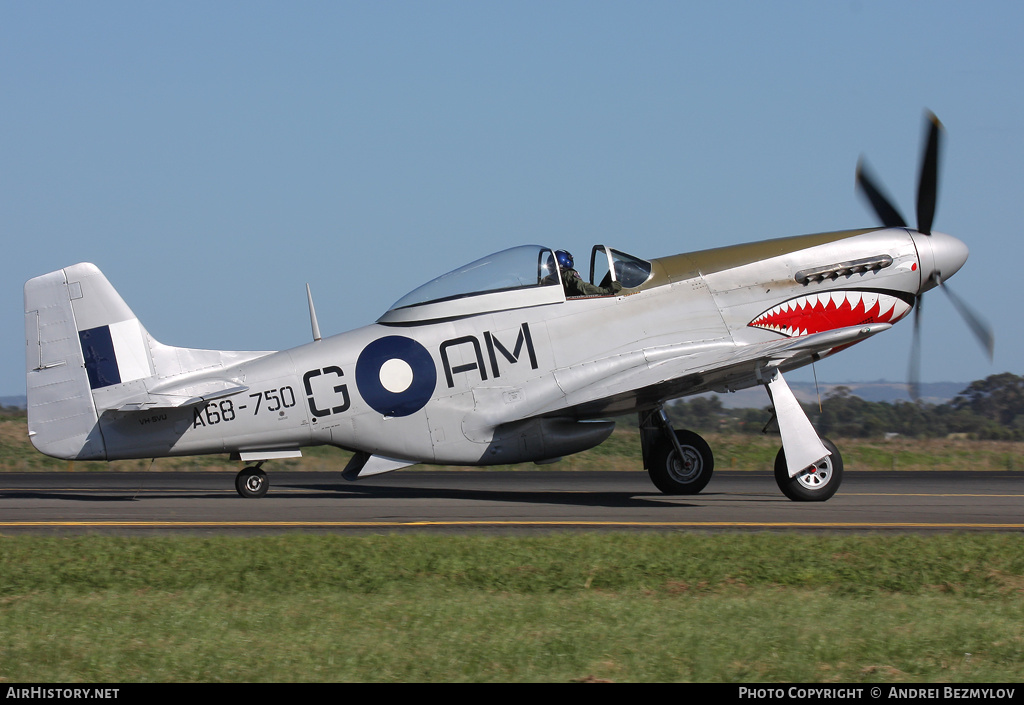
688	475
252	483
815	483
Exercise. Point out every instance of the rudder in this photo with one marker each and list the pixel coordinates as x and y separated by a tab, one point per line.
80	337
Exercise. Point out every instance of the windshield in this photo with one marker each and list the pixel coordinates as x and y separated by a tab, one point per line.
516	268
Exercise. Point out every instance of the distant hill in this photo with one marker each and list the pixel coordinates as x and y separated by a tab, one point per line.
756	397
17	402
890	392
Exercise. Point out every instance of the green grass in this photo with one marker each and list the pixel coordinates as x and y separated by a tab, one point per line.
567	607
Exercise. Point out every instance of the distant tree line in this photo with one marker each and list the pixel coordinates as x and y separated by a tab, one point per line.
992	408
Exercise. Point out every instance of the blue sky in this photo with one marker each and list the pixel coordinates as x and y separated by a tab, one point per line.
212	158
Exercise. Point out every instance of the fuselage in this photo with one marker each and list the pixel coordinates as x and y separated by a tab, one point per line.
521	381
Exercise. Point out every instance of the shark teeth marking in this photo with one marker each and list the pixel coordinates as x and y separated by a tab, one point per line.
829	310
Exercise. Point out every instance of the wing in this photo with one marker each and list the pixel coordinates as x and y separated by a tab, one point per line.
626	383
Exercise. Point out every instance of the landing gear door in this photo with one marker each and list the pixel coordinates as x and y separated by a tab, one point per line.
602	266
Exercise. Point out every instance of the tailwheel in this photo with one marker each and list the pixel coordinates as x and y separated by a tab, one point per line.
683	470
815	483
252	482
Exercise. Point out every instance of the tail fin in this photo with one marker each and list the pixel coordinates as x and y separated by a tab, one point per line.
86	353
80	336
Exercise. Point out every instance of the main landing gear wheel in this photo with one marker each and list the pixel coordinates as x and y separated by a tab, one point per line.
815	483
252	482
688	474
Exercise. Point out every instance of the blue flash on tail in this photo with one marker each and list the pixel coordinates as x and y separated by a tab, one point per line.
100	359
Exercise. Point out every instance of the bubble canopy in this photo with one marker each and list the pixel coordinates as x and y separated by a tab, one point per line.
514	278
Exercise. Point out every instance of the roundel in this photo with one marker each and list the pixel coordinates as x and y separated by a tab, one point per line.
396	376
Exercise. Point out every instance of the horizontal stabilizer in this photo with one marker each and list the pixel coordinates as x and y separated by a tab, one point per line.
170	396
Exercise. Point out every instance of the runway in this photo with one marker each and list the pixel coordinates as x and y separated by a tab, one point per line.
493	501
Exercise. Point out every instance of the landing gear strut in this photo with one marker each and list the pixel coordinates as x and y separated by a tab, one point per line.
252	482
678	462
814	476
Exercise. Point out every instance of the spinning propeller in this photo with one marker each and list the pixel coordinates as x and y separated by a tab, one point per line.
946	253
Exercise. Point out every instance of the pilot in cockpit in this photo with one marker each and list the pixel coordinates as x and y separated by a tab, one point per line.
575	285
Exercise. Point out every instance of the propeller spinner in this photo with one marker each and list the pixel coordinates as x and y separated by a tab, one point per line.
941	255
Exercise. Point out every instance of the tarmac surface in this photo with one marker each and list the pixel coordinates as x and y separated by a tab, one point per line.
479	501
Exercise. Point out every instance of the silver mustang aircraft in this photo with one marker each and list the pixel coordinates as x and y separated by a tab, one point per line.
494	362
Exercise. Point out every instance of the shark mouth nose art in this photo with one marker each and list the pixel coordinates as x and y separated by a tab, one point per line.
829	310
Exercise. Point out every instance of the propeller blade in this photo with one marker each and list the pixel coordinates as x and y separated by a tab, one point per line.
982	330
928	182
886	212
914	373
